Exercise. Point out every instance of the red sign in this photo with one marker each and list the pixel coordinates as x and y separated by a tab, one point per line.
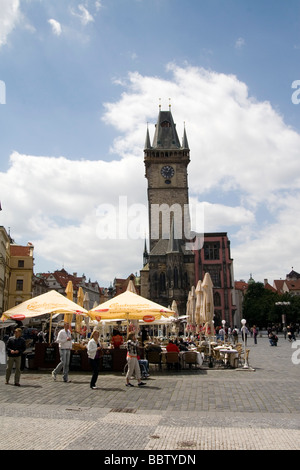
98	318
101	310
148	318
18	316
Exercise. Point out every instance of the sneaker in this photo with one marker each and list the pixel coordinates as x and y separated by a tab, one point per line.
94	388
53	375
17	385
129	385
141	384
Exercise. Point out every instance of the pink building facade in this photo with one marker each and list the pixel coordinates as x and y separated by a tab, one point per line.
214	257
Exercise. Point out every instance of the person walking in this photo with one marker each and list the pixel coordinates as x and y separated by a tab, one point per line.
133	364
94	353
255	333
64	339
15	347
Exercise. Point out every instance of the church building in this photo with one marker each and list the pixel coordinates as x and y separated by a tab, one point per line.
173	264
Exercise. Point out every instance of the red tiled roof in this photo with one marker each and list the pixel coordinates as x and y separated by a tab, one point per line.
279	285
240	285
18	250
269	287
293	285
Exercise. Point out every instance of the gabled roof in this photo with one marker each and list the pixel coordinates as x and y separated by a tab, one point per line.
293	285
278	284
293	275
269	287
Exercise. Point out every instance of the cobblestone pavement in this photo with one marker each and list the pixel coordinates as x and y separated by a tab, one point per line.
189	410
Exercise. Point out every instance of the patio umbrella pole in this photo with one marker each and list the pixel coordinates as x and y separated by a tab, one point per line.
50	327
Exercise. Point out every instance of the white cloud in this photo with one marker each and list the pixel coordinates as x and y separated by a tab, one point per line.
244	171
56	27
9	18
84	15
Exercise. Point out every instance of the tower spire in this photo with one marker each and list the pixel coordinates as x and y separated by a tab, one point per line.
185	144
147	141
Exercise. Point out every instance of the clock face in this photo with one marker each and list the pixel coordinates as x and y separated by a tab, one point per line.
167	171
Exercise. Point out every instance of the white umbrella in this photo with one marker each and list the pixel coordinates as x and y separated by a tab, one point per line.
208	304
199	301
208	310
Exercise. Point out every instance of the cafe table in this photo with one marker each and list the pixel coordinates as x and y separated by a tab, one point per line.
229	355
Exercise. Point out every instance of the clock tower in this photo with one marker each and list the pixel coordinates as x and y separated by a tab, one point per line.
170	264
166	162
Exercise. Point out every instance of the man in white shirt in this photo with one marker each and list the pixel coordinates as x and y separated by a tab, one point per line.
64	339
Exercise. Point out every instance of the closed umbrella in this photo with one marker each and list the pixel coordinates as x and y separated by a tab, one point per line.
69	291
86	304
198	308
175	308
208	309
208	304
79	318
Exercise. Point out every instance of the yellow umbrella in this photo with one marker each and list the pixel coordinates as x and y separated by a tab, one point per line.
130	306
69	291
79	318
51	302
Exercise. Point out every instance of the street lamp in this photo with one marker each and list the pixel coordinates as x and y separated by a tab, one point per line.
283	314
244	329
223	325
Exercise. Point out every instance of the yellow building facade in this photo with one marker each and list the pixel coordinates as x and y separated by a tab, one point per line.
21	274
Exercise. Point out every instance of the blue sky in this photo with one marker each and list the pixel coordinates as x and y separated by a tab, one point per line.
83	77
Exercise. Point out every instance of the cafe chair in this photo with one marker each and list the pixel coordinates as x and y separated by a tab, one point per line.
154	357
218	358
172	359
190	358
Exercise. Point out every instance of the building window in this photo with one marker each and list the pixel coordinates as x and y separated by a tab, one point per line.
217	299
211	251
175	278
19	285
215	275
162	282
20	263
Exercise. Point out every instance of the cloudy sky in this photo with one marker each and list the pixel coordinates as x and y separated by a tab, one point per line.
80	80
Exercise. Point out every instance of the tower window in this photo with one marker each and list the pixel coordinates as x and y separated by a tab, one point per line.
165	124
19	285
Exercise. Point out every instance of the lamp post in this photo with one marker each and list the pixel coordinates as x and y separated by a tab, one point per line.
243	321
286	304
223	325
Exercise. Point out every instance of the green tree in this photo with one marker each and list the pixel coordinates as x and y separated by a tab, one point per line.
261	308
259	305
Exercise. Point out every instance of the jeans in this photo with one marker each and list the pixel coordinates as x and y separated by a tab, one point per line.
65	355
